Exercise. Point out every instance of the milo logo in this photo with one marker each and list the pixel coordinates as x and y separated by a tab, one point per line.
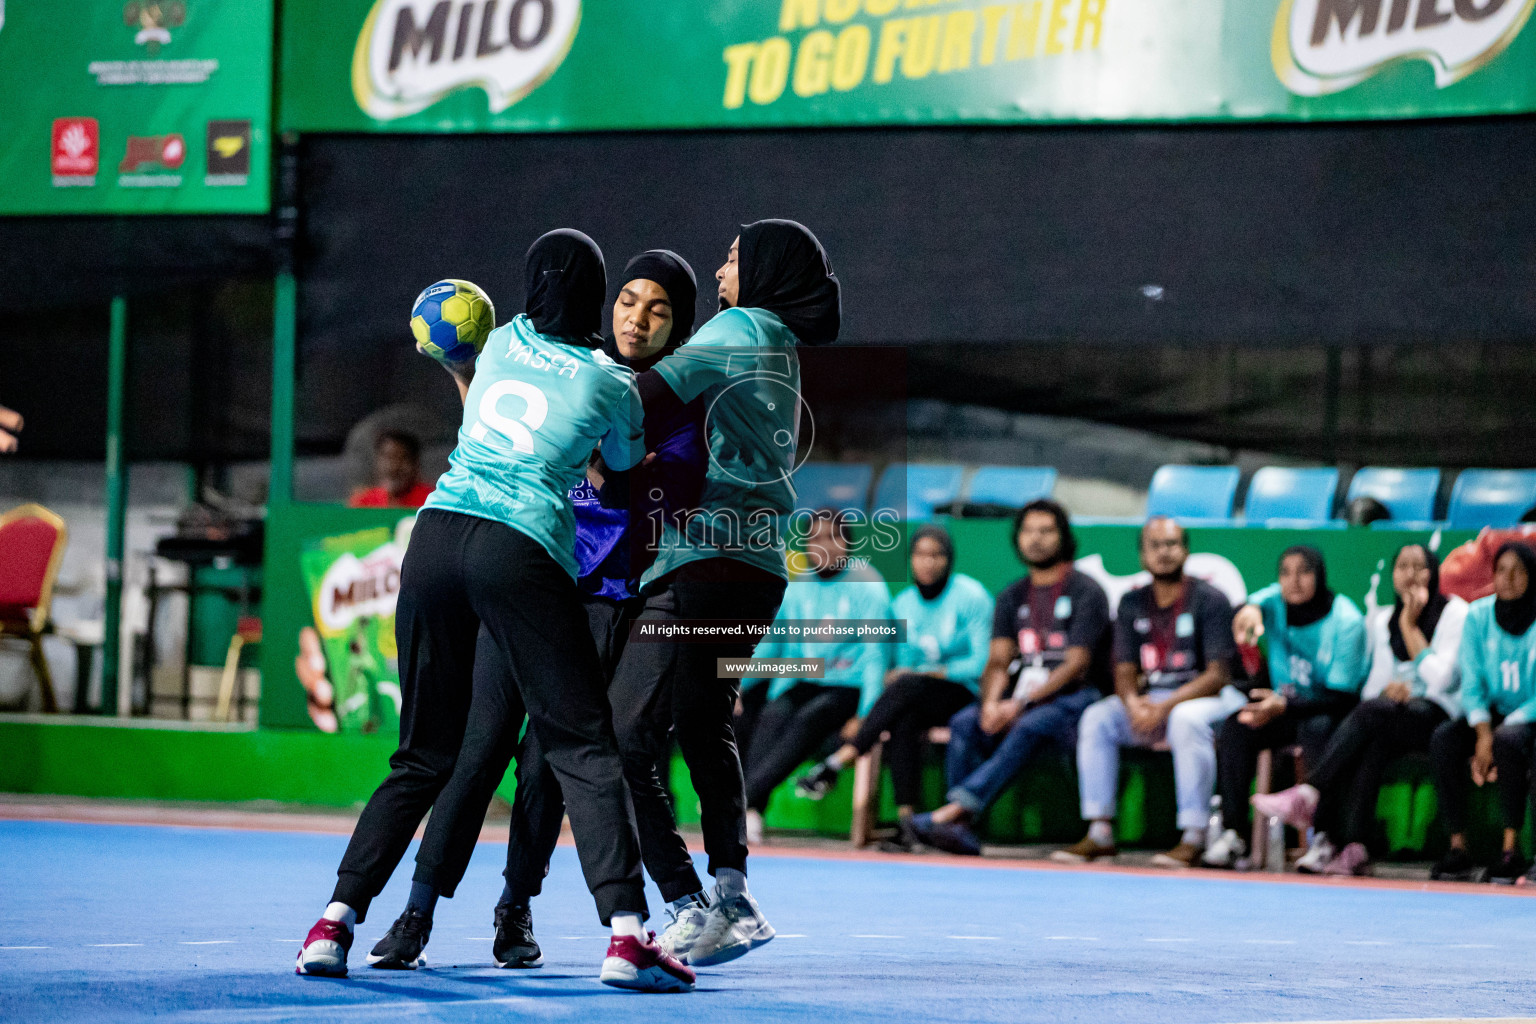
412	53
1324	46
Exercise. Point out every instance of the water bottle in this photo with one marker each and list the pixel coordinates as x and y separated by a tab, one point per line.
1213	826
1275	861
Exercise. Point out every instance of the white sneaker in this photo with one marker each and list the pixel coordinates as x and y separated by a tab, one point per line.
1317	856
754	828
733	927
1224	853
680	936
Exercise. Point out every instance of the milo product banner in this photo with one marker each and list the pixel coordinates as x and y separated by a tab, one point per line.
540	65
347	664
143	106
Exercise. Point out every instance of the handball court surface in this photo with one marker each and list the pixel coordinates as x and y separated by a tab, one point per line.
197	916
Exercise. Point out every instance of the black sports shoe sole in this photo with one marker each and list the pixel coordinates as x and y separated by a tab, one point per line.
520	962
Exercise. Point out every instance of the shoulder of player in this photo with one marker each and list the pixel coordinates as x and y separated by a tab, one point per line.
732	327
1081	583
1345	610
970	588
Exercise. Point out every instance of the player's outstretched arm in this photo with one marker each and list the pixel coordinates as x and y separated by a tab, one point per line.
10	426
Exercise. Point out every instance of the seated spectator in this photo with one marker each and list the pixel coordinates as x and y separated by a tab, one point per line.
1411	690
938	668
1172	656
803	714
10	426
1049	651
1498	693
396	474
1315	666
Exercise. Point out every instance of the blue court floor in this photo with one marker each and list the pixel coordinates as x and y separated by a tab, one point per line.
122	923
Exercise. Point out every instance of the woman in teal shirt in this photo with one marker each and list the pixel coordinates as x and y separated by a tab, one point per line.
949	627
1498	694
1317	663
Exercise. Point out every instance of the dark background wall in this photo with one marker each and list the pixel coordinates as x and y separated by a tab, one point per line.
1191	280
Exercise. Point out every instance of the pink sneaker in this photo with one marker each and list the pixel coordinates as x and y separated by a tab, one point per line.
1294	806
644	967
324	952
1354	859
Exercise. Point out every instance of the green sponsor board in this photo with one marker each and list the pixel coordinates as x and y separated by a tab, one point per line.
352	582
540	65
144	106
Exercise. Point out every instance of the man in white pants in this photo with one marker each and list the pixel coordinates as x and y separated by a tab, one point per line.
1173	652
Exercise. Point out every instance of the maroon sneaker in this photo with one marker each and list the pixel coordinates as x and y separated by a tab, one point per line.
644	966
324	952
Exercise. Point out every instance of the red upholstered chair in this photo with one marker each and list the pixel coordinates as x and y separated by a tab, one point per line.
32	543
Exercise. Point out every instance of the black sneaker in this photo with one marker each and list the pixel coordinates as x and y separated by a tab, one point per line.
1509	867
400	948
817	782
1456	866
515	945
904	841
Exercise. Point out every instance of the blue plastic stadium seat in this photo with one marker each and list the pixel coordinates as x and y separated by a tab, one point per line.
1491	497
839	485
915	489
1011	485
1193	492
1409	494
1291	494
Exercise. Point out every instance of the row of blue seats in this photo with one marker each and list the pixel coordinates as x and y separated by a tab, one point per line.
1276	495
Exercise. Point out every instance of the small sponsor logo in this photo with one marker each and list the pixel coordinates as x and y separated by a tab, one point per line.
152	21
229	153
76	151
412	53
153	152
1325	46
148	160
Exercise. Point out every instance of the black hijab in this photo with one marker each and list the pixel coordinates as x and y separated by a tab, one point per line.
1321	602
782	268
566	287
1515	617
673	273
938	533
1429	617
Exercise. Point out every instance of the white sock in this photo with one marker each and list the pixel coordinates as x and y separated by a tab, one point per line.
1194	836
1311	791
1102	833
834	762
628	924
341	912
731	882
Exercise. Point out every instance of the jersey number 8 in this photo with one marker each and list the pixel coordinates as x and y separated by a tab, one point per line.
520	429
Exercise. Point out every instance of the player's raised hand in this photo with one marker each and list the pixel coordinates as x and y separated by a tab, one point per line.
10	426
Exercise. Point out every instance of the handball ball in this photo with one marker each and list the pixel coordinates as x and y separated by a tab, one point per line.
451	320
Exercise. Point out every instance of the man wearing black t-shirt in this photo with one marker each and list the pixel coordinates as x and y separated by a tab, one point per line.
1173	650
1048	657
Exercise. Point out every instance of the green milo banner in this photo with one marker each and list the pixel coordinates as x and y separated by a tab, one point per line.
348	664
576	65
143	106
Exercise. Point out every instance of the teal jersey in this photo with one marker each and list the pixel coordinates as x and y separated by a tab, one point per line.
1328	654
535	412
744	365
1498	671
952	633
858	593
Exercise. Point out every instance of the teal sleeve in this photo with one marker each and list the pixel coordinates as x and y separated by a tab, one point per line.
624	445
1268	602
874	659
1523	714
1347	670
976	621
1474	684
716	352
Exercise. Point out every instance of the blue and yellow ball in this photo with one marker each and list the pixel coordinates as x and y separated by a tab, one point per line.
451	320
